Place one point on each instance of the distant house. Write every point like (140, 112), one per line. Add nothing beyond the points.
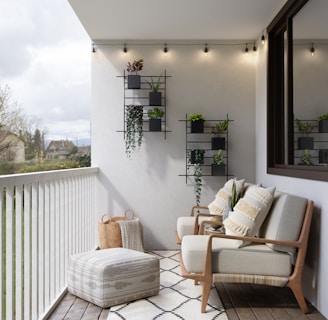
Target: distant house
(59, 149)
(12, 148)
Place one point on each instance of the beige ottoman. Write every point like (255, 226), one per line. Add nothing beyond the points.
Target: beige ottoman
(113, 276)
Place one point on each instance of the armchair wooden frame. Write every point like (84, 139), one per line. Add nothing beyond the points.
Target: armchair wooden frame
(195, 212)
(294, 281)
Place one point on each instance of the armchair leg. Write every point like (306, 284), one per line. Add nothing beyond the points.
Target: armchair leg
(206, 293)
(298, 293)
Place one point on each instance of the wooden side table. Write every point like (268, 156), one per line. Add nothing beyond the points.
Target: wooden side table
(208, 229)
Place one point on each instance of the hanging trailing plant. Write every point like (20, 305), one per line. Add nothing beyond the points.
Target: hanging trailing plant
(134, 130)
(197, 162)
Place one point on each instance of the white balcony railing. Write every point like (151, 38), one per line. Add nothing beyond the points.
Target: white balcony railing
(45, 217)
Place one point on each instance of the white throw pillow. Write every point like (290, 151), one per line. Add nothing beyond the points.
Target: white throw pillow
(249, 213)
(221, 201)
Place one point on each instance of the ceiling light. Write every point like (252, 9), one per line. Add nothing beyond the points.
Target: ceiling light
(165, 49)
(206, 49)
(93, 50)
(254, 48)
(312, 50)
(125, 50)
(262, 38)
(246, 49)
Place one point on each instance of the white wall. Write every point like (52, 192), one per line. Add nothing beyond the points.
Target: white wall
(149, 183)
(315, 277)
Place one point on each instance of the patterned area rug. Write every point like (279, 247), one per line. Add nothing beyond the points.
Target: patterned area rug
(178, 298)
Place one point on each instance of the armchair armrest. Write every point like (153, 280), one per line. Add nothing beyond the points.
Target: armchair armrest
(197, 228)
(196, 209)
(295, 244)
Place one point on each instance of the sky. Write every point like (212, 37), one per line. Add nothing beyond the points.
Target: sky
(45, 60)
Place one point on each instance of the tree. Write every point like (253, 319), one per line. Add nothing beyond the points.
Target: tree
(11, 120)
(13, 123)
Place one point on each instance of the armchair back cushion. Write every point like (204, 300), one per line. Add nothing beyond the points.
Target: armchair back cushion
(285, 220)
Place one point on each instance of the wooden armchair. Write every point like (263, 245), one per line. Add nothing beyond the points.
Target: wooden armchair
(189, 225)
(276, 257)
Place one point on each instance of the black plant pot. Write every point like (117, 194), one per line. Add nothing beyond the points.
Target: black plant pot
(155, 98)
(197, 126)
(218, 169)
(218, 143)
(193, 157)
(134, 81)
(323, 126)
(323, 156)
(155, 124)
(305, 143)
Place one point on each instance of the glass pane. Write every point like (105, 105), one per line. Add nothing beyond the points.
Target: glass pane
(310, 78)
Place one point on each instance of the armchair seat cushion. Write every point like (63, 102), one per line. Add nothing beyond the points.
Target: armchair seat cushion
(185, 225)
(227, 258)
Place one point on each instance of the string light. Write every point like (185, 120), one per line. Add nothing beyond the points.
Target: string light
(246, 49)
(254, 49)
(165, 49)
(206, 49)
(312, 50)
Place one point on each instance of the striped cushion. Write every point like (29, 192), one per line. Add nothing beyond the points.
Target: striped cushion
(249, 213)
(113, 276)
(221, 201)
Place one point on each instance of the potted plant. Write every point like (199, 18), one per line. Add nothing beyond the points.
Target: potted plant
(305, 127)
(219, 128)
(197, 158)
(197, 123)
(155, 96)
(218, 167)
(155, 119)
(323, 156)
(306, 158)
(323, 123)
(134, 130)
(134, 81)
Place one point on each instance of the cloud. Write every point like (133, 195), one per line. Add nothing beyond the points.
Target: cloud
(45, 59)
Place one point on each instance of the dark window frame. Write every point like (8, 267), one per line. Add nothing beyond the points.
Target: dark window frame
(280, 151)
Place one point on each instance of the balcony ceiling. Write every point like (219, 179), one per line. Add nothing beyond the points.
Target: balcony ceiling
(175, 19)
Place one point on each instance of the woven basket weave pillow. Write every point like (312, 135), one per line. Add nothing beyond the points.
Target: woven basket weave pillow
(221, 201)
(249, 213)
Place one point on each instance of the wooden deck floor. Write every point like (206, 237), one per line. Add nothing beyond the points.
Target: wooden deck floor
(241, 302)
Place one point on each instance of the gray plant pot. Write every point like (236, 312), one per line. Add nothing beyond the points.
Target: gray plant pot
(305, 143)
(323, 126)
(218, 143)
(197, 126)
(218, 169)
(193, 157)
(155, 98)
(134, 81)
(323, 156)
(155, 124)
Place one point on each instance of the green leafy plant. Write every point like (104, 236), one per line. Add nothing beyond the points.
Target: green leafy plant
(134, 128)
(323, 117)
(220, 127)
(155, 113)
(135, 66)
(198, 173)
(235, 196)
(195, 117)
(304, 127)
(306, 158)
(154, 86)
(218, 158)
